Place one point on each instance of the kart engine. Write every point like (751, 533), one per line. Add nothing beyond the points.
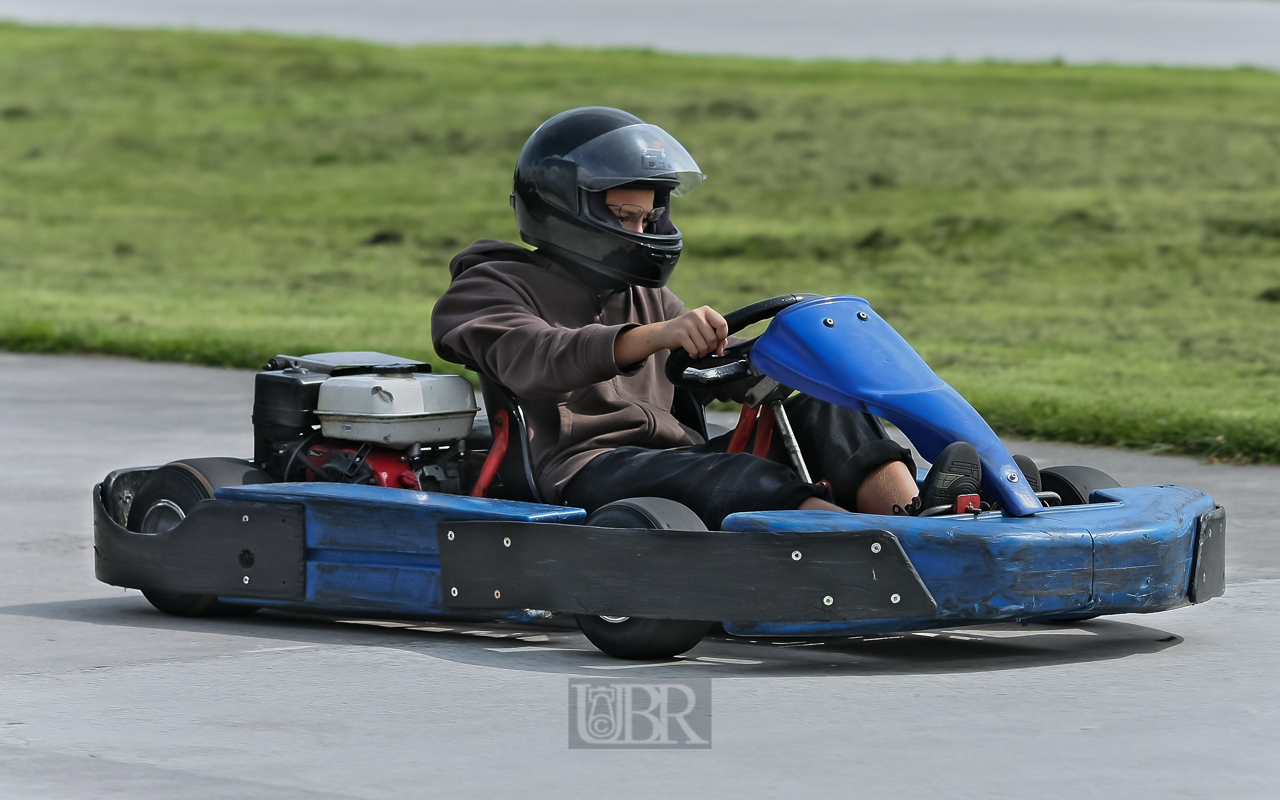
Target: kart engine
(364, 418)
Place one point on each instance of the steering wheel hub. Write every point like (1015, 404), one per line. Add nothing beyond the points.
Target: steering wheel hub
(713, 370)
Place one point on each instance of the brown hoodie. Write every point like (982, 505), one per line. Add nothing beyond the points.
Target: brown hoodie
(516, 316)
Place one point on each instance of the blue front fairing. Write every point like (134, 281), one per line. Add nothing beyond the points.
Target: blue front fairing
(1130, 553)
(822, 347)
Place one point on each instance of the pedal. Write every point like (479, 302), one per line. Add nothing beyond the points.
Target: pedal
(968, 504)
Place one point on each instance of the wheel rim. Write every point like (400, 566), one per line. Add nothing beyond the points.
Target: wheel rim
(614, 620)
(163, 516)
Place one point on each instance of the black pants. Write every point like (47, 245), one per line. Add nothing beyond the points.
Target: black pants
(838, 444)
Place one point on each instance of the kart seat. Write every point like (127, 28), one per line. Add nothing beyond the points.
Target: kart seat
(516, 469)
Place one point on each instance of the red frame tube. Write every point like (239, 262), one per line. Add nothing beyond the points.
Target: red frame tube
(742, 432)
(764, 432)
(501, 438)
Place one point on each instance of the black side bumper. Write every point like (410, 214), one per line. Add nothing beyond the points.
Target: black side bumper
(225, 548)
(715, 575)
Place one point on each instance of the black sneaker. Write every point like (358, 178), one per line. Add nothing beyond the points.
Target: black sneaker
(1029, 471)
(957, 471)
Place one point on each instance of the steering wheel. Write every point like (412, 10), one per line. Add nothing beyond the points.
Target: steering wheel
(713, 370)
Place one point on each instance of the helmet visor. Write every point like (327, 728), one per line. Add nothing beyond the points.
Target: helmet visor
(635, 153)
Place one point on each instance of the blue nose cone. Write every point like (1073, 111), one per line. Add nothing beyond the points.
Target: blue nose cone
(839, 350)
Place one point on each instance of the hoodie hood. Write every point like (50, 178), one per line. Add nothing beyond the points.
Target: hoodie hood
(484, 251)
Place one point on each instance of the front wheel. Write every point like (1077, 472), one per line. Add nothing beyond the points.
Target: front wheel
(634, 637)
(166, 499)
(1075, 484)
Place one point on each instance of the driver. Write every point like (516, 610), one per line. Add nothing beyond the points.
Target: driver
(581, 327)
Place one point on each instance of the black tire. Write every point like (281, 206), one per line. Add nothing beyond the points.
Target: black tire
(165, 500)
(633, 637)
(1075, 484)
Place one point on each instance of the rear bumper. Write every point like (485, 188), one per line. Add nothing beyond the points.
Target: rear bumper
(227, 549)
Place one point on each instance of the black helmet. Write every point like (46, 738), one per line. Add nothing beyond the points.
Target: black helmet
(564, 170)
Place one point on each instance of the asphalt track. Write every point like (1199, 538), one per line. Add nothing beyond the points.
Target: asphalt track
(1218, 33)
(102, 697)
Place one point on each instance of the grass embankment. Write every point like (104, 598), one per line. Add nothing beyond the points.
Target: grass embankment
(1080, 251)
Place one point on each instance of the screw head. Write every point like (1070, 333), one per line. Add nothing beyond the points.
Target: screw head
(506, 541)
(245, 518)
(795, 555)
(496, 594)
(875, 547)
(246, 580)
(454, 591)
(451, 536)
(829, 322)
(862, 315)
(828, 600)
(895, 599)
(1012, 477)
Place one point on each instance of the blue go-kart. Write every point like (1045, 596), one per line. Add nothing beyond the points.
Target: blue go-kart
(373, 491)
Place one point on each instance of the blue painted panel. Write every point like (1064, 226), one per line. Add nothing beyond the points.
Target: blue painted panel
(376, 558)
(365, 587)
(344, 516)
(372, 548)
(865, 364)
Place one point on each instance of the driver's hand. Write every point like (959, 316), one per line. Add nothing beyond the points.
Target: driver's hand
(699, 332)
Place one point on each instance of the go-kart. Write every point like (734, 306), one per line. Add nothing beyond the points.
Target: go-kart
(375, 490)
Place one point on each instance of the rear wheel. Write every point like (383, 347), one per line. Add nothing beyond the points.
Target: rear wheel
(165, 500)
(634, 637)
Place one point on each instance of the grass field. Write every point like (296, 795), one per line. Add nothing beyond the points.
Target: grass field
(1085, 253)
